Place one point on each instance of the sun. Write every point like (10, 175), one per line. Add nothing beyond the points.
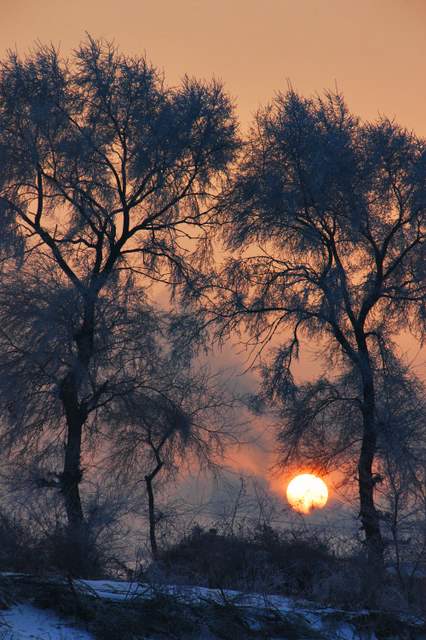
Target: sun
(306, 492)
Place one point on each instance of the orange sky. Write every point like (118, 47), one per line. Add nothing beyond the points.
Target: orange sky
(374, 51)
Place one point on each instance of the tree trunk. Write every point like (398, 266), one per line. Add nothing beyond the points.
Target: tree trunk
(149, 478)
(76, 415)
(368, 513)
(75, 543)
(152, 518)
(71, 476)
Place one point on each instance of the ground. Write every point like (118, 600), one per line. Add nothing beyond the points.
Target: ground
(115, 610)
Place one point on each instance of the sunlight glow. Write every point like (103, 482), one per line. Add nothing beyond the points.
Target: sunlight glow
(306, 492)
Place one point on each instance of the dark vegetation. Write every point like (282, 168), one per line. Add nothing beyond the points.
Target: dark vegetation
(268, 561)
(27, 549)
(263, 563)
(262, 560)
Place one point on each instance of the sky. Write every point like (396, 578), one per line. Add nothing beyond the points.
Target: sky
(373, 51)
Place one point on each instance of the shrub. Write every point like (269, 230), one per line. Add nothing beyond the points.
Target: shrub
(18, 546)
(264, 560)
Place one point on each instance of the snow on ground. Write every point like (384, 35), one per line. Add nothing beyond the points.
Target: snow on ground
(117, 590)
(120, 590)
(319, 618)
(24, 622)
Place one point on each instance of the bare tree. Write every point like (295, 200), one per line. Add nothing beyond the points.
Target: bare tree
(176, 421)
(329, 216)
(105, 171)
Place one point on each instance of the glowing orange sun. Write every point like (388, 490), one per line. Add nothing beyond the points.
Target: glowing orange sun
(306, 492)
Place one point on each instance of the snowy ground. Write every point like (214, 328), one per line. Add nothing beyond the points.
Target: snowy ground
(317, 617)
(24, 622)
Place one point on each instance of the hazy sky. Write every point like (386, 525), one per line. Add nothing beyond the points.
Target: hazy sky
(374, 51)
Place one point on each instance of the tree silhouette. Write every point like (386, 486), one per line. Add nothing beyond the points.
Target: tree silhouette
(328, 214)
(106, 171)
